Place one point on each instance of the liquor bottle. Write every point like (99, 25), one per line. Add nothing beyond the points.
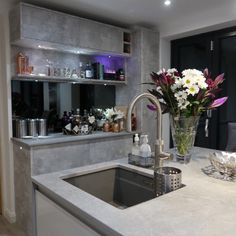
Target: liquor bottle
(65, 119)
(96, 68)
(85, 123)
(81, 71)
(20, 62)
(88, 71)
(121, 75)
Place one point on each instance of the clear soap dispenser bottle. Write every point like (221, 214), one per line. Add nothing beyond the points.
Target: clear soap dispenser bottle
(145, 149)
(136, 148)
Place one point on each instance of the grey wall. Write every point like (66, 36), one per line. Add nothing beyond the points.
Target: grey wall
(144, 60)
(29, 161)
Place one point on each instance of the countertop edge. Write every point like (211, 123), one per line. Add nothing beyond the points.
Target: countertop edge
(34, 142)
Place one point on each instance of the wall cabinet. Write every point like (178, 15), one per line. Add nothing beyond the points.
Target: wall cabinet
(53, 41)
(32, 26)
(100, 36)
(41, 24)
(51, 219)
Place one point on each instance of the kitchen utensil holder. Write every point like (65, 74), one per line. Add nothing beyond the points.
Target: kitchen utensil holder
(168, 179)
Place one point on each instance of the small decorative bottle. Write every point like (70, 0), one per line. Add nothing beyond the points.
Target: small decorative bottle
(88, 71)
(81, 71)
(135, 147)
(145, 149)
(115, 127)
(106, 126)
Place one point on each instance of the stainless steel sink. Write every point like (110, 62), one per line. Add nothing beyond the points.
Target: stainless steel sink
(119, 187)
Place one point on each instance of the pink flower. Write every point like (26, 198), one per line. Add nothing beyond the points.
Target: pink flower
(218, 102)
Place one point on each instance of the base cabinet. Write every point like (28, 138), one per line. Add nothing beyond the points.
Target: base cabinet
(51, 220)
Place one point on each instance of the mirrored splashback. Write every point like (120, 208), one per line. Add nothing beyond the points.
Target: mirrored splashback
(44, 99)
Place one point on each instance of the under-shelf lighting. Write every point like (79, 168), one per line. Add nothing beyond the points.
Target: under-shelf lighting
(167, 2)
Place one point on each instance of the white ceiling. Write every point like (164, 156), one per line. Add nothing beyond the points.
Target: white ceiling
(151, 13)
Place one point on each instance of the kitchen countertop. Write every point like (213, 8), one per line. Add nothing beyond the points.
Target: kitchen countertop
(58, 138)
(204, 207)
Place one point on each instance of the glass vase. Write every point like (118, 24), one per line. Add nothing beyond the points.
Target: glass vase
(183, 131)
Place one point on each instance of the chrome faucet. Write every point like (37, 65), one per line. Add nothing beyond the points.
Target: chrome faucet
(159, 154)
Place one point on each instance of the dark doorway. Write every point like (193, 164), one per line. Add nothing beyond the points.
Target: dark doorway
(217, 52)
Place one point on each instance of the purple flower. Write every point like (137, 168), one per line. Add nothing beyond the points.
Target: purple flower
(218, 102)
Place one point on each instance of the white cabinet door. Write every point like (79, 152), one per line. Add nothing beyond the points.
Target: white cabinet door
(52, 220)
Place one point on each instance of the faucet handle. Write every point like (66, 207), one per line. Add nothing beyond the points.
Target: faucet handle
(165, 155)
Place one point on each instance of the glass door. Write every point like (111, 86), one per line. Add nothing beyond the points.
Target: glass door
(225, 61)
(217, 51)
(196, 52)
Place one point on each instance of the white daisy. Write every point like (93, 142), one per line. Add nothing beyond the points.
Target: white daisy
(181, 95)
(193, 89)
(184, 105)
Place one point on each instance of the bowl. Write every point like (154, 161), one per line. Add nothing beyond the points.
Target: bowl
(224, 162)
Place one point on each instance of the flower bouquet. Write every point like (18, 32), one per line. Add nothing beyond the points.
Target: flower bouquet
(114, 119)
(185, 96)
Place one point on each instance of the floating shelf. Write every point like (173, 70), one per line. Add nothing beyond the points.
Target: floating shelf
(57, 79)
(127, 43)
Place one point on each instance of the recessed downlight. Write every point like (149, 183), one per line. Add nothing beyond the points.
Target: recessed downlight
(167, 2)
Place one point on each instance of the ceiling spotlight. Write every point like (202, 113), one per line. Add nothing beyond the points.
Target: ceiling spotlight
(167, 2)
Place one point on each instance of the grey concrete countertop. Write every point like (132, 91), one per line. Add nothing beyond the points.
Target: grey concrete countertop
(61, 138)
(204, 207)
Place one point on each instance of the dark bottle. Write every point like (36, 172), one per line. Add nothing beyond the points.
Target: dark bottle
(65, 119)
(121, 75)
(88, 71)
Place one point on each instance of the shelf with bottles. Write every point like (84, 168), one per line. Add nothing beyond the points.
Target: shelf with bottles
(97, 119)
(60, 79)
(32, 65)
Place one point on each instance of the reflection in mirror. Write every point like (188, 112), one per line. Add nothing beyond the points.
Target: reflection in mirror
(50, 100)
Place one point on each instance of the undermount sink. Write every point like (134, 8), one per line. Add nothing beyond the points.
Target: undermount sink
(117, 186)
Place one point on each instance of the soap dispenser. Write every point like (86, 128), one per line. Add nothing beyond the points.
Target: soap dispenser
(136, 148)
(145, 149)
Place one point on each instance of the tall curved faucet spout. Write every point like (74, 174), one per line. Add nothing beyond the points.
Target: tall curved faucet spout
(159, 154)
